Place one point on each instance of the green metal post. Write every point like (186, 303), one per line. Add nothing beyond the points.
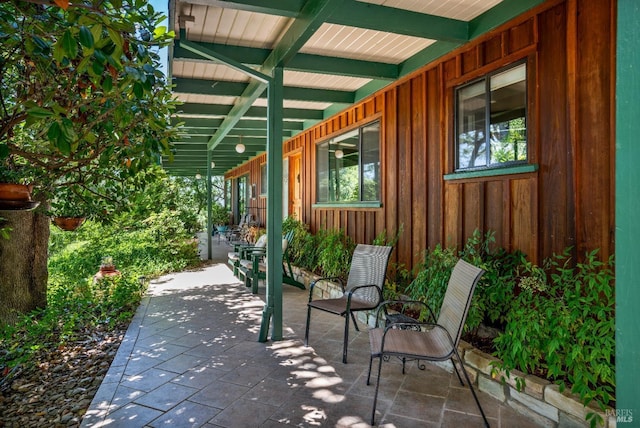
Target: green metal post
(209, 225)
(273, 308)
(627, 208)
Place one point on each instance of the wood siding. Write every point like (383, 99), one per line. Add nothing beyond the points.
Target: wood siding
(569, 47)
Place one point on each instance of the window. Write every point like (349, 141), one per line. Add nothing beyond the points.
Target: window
(263, 179)
(242, 196)
(491, 123)
(348, 166)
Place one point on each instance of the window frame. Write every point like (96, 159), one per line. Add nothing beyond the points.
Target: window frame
(354, 203)
(263, 179)
(487, 116)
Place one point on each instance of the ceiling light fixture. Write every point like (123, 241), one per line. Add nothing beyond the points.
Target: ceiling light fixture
(240, 147)
(339, 154)
(213, 164)
(198, 176)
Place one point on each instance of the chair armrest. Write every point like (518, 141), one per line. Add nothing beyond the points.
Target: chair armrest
(247, 251)
(384, 306)
(356, 288)
(326, 278)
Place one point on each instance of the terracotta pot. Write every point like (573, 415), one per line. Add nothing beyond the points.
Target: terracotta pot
(106, 270)
(15, 192)
(68, 223)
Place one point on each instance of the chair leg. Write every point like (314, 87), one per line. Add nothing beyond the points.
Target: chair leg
(369, 372)
(346, 338)
(255, 282)
(375, 394)
(475, 397)
(306, 330)
(355, 323)
(457, 372)
(247, 280)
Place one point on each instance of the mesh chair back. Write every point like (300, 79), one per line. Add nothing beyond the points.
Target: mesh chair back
(457, 299)
(262, 241)
(368, 267)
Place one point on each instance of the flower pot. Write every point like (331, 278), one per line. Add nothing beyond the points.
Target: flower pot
(15, 192)
(16, 197)
(68, 223)
(106, 270)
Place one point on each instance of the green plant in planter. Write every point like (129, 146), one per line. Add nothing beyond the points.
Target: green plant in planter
(14, 169)
(562, 321)
(220, 216)
(72, 202)
(335, 249)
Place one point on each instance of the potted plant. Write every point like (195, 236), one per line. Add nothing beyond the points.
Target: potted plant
(69, 208)
(15, 186)
(107, 268)
(220, 217)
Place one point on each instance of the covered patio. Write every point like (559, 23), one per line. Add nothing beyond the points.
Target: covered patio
(190, 358)
(253, 76)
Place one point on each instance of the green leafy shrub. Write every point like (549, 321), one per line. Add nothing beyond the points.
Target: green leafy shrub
(562, 322)
(302, 248)
(493, 297)
(430, 283)
(335, 249)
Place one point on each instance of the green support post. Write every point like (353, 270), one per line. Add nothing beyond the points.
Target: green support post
(627, 207)
(272, 313)
(209, 225)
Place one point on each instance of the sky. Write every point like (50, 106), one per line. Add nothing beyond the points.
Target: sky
(162, 6)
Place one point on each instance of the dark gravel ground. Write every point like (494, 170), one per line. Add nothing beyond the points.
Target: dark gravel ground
(58, 390)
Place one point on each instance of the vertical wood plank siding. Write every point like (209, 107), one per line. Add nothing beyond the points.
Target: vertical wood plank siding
(568, 201)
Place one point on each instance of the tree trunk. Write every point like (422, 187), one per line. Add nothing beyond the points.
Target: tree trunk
(23, 264)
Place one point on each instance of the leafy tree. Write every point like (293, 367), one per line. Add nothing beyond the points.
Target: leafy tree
(83, 104)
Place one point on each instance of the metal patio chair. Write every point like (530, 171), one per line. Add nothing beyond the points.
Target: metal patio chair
(433, 341)
(362, 292)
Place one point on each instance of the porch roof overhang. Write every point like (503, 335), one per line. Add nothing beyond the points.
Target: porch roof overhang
(333, 54)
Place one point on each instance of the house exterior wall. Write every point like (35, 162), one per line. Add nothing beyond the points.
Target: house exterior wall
(567, 201)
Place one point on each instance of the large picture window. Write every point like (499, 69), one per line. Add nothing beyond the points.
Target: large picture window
(348, 166)
(491, 122)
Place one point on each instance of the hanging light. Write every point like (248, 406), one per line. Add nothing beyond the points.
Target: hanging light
(339, 154)
(213, 164)
(240, 147)
(198, 176)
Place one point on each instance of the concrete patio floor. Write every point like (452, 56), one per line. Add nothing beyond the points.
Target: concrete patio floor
(191, 358)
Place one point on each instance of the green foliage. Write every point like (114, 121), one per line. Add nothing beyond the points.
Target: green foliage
(493, 297)
(5, 231)
(302, 249)
(562, 322)
(335, 249)
(430, 283)
(75, 302)
(220, 216)
(84, 99)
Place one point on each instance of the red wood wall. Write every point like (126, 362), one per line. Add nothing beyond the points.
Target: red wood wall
(568, 201)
